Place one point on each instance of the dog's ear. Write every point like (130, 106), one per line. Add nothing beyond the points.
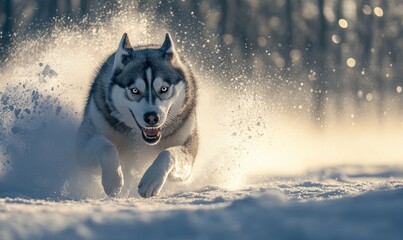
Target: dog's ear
(122, 54)
(168, 49)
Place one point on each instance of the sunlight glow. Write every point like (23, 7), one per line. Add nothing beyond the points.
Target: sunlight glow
(343, 23)
(366, 9)
(351, 62)
(239, 149)
(262, 41)
(336, 38)
(378, 11)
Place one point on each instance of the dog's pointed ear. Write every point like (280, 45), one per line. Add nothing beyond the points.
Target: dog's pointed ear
(169, 50)
(122, 53)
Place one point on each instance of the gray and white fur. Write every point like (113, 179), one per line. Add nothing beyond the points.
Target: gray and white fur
(140, 114)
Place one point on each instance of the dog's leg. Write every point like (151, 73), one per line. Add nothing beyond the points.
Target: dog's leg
(99, 149)
(175, 163)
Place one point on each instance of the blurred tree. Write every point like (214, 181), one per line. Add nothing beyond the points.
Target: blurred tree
(380, 58)
(320, 83)
(338, 39)
(288, 38)
(6, 28)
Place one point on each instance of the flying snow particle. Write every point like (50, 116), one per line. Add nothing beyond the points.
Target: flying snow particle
(378, 11)
(343, 23)
(366, 9)
(369, 97)
(295, 55)
(228, 39)
(336, 38)
(360, 93)
(351, 62)
(49, 72)
(262, 42)
(399, 89)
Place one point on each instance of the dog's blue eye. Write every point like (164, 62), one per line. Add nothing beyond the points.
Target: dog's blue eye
(164, 89)
(135, 91)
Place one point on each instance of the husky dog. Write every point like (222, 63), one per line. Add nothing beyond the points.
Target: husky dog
(140, 114)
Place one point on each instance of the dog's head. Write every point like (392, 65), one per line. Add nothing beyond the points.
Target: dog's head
(148, 87)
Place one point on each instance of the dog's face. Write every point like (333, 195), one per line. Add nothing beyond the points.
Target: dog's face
(148, 88)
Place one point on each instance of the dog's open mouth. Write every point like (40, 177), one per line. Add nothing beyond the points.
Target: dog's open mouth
(151, 135)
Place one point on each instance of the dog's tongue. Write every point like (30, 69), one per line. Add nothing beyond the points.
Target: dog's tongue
(151, 131)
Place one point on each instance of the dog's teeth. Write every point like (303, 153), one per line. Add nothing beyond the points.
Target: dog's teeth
(152, 137)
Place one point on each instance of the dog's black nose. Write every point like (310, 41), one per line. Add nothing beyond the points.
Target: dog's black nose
(151, 118)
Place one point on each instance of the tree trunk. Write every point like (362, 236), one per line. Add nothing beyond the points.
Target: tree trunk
(6, 30)
(381, 83)
(288, 41)
(320, 87)
(338, 76)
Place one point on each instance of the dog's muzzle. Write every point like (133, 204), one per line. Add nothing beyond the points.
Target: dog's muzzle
(151, 135)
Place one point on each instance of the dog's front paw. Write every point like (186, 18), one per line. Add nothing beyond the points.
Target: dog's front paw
(112, 181)
(155, 176)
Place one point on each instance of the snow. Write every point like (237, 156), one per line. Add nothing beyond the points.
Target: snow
(269, 176)
(360, 206)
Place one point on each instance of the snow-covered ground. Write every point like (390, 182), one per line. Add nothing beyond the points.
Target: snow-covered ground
(260, 174)
(333, 203)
